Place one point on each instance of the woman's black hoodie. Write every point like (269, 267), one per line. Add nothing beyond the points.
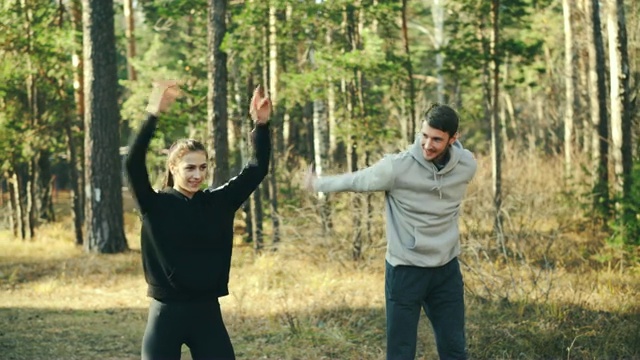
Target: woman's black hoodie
(186, 243)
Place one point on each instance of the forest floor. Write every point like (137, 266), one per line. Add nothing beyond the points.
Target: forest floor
(58, 302)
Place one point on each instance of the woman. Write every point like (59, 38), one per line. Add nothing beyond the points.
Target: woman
(187, 235)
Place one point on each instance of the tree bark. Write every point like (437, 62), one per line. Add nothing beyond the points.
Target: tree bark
(104, 220)
(598, 105)
(75, 183)
(31, 197)
(438, 14)
(569, 90)
(20, 194)
(582, 107)
(621, 128)
(45, 186)
(320, 150)
(74, 146)
(129, 18)
(256, 214)
(496, 141)
(409, 68)
(15, 217)
(353, 32)
(278, 150)
(619, 93)
(217, 93)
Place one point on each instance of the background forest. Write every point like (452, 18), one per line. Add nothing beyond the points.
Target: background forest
(547, 92)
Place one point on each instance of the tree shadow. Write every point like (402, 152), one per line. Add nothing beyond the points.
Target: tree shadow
(495, 330)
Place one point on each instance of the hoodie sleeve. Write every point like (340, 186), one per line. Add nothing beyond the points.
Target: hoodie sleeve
(378, 177)
(238, 189)
(137, 168)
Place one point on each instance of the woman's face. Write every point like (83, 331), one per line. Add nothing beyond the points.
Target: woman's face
(189, 172)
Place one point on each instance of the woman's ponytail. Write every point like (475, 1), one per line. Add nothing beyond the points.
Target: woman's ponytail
(168, 179)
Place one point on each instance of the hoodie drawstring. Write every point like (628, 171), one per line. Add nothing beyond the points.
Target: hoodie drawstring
(438, 184)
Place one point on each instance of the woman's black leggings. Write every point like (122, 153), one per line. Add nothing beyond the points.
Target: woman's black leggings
(199, 325)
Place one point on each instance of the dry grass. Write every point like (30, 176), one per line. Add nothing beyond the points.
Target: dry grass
(554, 291)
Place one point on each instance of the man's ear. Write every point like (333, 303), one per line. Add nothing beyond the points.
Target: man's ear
(454, 138)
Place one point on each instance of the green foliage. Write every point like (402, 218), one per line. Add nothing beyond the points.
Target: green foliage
(626, 225)
(36, 43)
(171, 42)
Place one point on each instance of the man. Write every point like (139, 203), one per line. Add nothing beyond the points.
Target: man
(424, 187)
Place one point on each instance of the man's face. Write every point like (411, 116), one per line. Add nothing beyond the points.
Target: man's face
(190, 172)
(434, 142)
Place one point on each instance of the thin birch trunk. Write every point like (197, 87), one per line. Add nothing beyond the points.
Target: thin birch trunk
(74, 146)
(597, 90)
(409, 69)
(496, 141)
(619, 92)
(621, 125)
(277, 151)
(129, 18)
(217, 113)
(438, 14)
(569, 90)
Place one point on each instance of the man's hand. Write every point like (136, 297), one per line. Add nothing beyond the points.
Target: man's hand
(164, 94)
(310, 179)
(260, 107)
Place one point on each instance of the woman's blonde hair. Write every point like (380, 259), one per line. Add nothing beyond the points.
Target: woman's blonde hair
(176, 152)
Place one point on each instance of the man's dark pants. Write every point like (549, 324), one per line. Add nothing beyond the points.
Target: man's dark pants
(440, 292)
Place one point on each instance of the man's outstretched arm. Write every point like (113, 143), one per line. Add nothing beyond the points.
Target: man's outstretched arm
(378, 177)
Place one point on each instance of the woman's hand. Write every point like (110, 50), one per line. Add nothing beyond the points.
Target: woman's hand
(164, 94)
(260, 107)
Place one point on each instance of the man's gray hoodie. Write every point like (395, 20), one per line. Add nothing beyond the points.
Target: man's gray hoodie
(422, 203)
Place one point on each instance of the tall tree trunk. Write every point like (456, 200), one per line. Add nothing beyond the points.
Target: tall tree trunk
(438, 14)
(582, 108)
(511, 113)
(569, 90)
(242, 129)
(31, 196)
(45, 184)
(620, 103)
(336, 148)
(598, 100)
(255, 201)
(32, 115)
(278, 150)
(496, 141)
(104, 220)
(129, 19)
(619, 91)
(353, 29)
(217, 93)
(76, 124)
(15, 217)
(257, 220)
(502, 115)
(75, 183)
(320, 150)
(19, 188)
(286, 117)
(409, 68)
